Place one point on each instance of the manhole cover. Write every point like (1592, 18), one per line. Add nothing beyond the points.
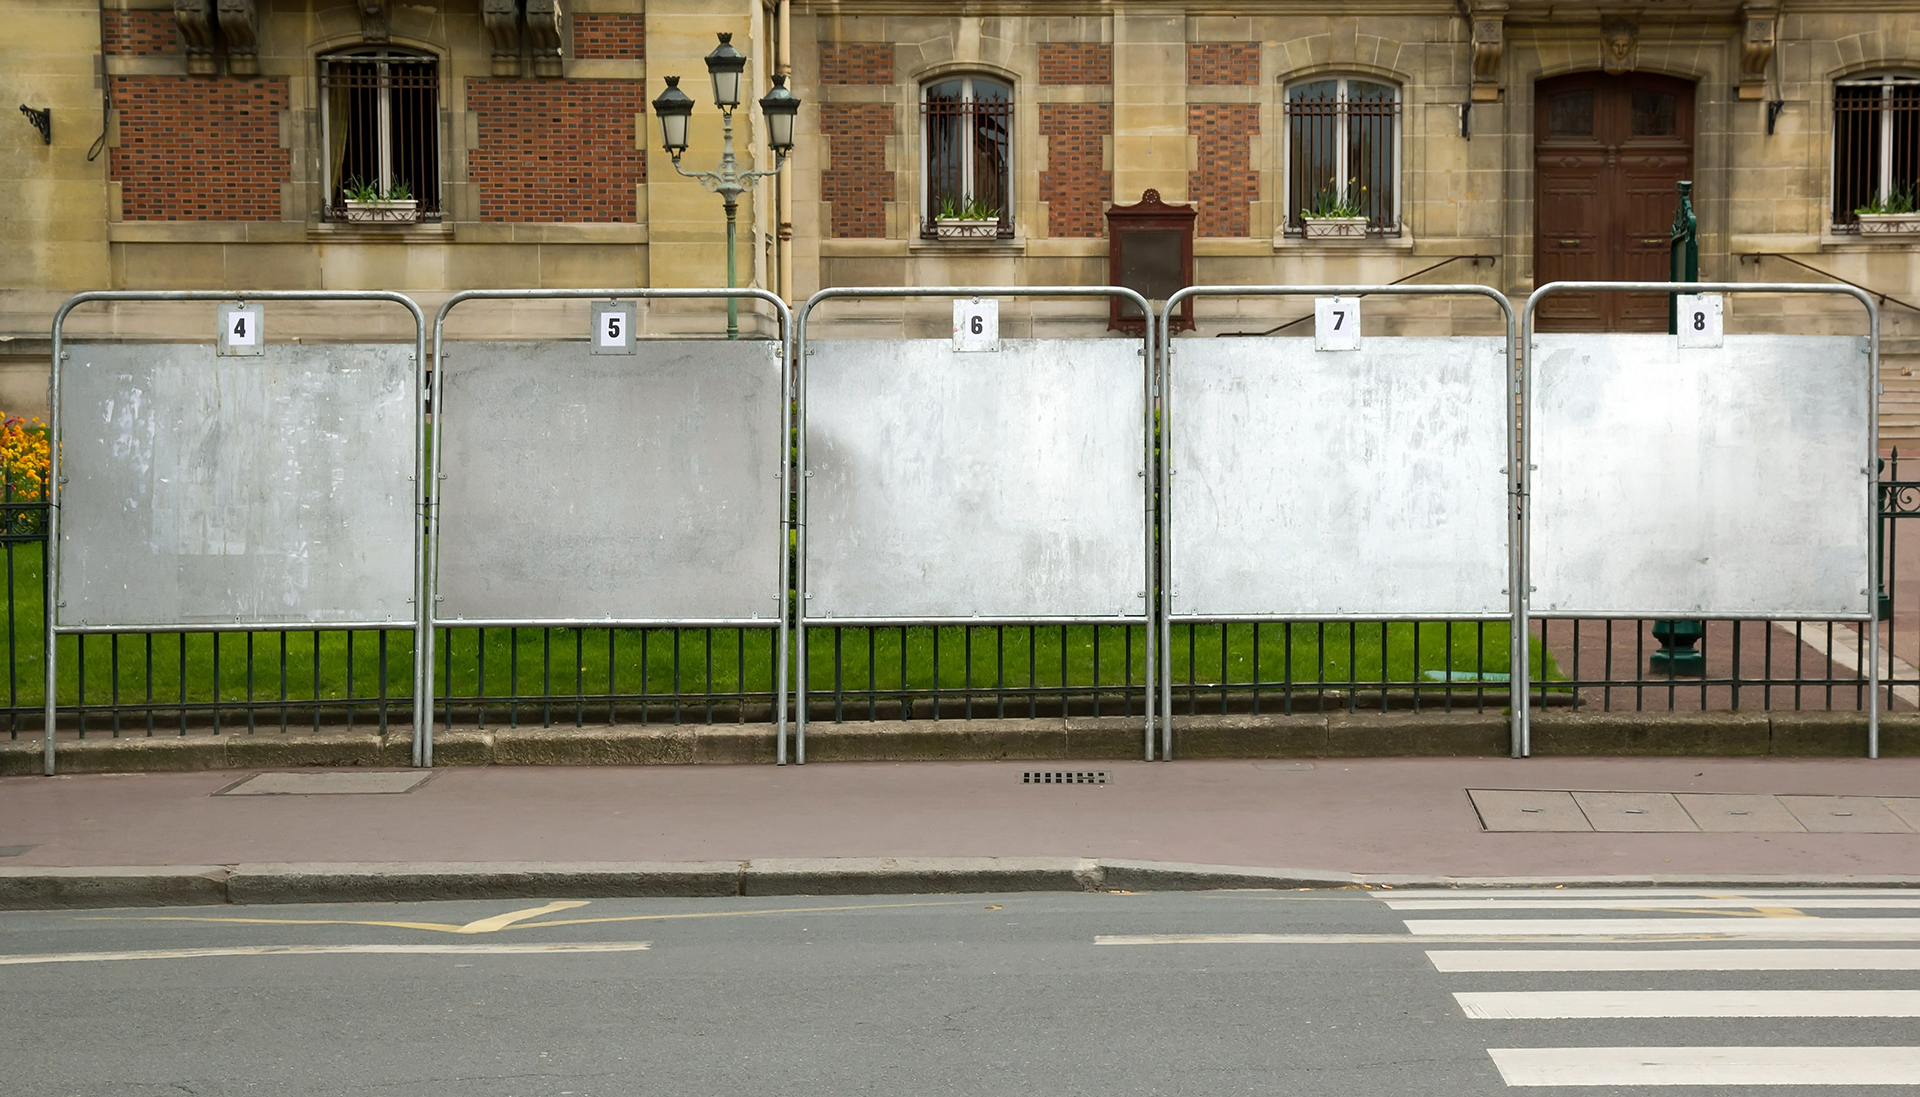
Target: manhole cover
(1064, 777)
(325, 784)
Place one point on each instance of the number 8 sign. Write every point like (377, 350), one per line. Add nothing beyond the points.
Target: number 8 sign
(1700, 321)
(612, 327)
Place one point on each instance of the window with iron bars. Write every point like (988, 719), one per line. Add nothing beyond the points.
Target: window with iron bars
(1876, 147)
(1343, 152)
(968, 127)
(380, 134)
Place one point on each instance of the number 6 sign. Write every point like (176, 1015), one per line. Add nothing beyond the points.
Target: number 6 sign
(976, 325)
(1700, 321)
(612, 327)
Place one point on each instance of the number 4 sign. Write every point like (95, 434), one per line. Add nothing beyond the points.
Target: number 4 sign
(612, 327)
(240, 332)
(1336, 323)
(976, 325)
(1701, 322)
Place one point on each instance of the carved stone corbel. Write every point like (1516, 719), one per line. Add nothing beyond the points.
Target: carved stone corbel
(195, 19)
(502, 20)
(546, 30)
(239, 25)
(1759, 27)
(1619, 46)
(373, 20)
(1489, 41)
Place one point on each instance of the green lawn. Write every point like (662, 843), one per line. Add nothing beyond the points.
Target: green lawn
(501, 662)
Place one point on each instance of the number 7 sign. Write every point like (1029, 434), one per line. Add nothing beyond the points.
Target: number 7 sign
(1336, 323)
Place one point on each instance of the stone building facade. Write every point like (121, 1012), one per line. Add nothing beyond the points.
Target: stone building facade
(209, 143)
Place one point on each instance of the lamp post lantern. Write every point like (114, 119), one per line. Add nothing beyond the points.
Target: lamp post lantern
(674, 108)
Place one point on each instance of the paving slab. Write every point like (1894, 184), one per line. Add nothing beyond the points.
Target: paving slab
(1524, 810)
(330, 783)
(1733, 812)
(1845, 815)
(1624, 812)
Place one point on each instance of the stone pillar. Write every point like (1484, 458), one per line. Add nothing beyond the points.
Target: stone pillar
(687, 230)
(1149, 105)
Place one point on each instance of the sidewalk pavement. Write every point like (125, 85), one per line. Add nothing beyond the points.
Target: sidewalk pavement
(499, 829)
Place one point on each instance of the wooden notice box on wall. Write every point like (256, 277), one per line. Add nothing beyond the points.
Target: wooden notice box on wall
(1150, 251)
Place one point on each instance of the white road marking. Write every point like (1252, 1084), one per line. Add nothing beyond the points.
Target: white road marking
(1708, 1066)
(1679, 959)
(1761, 929)
(1911, 902)
(325, 950)
(1660, 894)
(1381, 938)
(1560, 1004)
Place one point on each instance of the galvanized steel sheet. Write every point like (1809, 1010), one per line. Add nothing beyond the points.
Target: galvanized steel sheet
(204, 491)
(1733, 481)
(1000, 485)
(1325, 484)
(582, 487)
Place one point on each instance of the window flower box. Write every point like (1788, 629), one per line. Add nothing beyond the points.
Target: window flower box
(965, 228)
(1889, 224)
(1333, 228)
(386, 211)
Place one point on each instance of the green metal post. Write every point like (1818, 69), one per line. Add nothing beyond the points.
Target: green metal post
(1676, 655)
(733, 305)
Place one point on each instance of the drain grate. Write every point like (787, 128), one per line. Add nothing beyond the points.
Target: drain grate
(1064, 777)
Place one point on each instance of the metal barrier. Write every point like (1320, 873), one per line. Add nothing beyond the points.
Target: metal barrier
(671, 505)
(1372, 483)
(282, 494)
(1019, 466)
(1702, 474)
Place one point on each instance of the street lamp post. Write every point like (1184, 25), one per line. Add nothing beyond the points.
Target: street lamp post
(674, 108)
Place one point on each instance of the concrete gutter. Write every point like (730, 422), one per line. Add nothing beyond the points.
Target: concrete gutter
(1303, 735)
(247, 884)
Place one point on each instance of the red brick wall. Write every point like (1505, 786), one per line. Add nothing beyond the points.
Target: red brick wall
(857, 63)
(557, 150)
(1223, 63)
(857, 182)
(610, 35)
(1074, 186)
(1226, 184)
(199, 149)
(1076, 63)
(141, 33)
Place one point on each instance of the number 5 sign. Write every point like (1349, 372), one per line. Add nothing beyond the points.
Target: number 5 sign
(240, 332)
(612, 327)
(1701, 323)
(1336, 323)
(976, 325)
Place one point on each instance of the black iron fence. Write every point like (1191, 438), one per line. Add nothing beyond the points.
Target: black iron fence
(152, 683)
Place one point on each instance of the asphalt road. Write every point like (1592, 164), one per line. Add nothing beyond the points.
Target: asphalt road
(1010, 994)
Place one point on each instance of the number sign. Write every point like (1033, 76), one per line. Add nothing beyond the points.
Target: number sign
(1336, 323)
(976, 325)
(1701, 323)
(612, 327)
(240, 332)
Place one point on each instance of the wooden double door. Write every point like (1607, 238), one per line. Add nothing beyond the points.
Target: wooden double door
(1608, 151)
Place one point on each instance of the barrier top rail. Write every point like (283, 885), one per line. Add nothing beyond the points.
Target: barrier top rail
(969, 292)
(779, 622)
(53, 467)
(1866, 301)
(1517, 654)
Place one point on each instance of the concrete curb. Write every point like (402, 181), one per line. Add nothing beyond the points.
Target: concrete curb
(350, 882)
(1079, 738)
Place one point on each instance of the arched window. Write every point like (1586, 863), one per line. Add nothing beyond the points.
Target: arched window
(1876, 146)
(967, 122)
(1343, 151)
(380, 134)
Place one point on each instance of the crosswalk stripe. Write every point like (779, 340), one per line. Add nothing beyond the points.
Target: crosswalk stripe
(1773, 929)
(1558, 1004)
(1708, 1066)
(1665, 901)
(1678, 959)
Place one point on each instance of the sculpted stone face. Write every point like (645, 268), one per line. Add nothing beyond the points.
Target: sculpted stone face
(1619, 38)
